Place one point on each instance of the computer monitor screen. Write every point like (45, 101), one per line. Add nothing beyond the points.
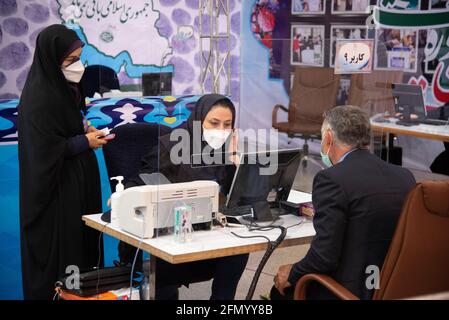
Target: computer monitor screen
(408, 99)
(156, 84)
(252, 186)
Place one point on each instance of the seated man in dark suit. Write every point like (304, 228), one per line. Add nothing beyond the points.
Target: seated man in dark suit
(357, 203)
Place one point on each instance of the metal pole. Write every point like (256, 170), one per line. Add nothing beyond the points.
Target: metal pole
(216, 70)
(200, 32)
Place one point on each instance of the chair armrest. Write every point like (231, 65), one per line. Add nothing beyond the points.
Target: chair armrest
(274, 114)
(333, 286)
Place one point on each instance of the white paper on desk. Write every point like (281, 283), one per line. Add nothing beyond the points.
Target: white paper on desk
(299, 197)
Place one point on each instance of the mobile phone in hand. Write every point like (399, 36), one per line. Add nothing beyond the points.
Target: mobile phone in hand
(108, 137)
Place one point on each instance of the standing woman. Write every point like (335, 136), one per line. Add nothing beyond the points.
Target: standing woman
(59, 177)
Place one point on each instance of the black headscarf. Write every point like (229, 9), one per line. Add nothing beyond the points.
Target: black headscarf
(55, 188)
(202, 107)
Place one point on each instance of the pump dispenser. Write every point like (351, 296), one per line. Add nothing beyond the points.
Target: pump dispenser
(114, 198)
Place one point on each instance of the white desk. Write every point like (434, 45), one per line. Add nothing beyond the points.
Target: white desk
(426, 131)
(218, 242)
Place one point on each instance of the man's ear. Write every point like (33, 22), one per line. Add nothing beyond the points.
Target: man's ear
(326, 136)
(330, 137)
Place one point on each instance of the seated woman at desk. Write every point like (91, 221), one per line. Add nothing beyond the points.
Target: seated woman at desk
(213, 119)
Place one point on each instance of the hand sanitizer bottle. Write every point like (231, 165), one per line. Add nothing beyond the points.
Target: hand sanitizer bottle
(114, 199)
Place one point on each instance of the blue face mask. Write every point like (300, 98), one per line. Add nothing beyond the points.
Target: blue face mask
(326, 160)
(325, 157)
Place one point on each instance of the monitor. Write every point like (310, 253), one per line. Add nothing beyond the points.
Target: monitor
(157, 84)
(408, 99)
(251, 188)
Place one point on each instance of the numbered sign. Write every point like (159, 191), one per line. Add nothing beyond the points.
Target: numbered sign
(353, 56)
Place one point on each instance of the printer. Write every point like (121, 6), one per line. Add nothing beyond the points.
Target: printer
(144, 210)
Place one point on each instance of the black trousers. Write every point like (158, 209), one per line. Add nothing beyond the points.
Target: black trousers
(276, 295)
(225, 272)
(441, 163)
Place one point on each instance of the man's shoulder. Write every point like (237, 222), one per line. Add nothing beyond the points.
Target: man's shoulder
(362, 163)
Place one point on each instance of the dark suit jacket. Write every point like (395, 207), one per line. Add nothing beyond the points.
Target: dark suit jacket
(357, 204)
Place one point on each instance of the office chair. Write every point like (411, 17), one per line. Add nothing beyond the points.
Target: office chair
(314, 91)
(98, 78)
(417, 261)
(373, 92)
(123, 155)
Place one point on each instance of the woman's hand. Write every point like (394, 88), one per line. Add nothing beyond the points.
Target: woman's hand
(91, 129)
(234, 158)
(94, 141)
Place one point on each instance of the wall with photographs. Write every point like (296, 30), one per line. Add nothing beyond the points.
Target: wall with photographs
(304, 32)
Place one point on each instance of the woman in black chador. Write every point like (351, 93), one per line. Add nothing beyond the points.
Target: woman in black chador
(59, 178)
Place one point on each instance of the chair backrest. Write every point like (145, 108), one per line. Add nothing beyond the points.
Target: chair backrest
(372, 91)
(314, 91)
(417, 262)
(123, 155)
(98, 78)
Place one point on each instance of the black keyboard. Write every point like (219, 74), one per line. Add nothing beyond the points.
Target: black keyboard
(434, 122)
(407, 123)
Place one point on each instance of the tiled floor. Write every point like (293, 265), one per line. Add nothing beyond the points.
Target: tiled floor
(201, 291)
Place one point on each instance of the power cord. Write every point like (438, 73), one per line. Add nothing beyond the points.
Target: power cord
(132, 270)
(134, 261)
(99, 257)
(59, 285)
(272, 245)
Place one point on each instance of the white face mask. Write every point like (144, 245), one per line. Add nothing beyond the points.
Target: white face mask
(74, 72)
(215, 137)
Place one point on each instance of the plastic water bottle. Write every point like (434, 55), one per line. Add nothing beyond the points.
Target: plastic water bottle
(183, 224)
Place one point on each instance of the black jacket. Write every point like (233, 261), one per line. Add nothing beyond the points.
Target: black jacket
(357, 204)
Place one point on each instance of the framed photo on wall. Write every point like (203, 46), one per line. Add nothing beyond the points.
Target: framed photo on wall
(350, 6)
(307, 7)
(307, 45)
(345, 32)
(396, 49)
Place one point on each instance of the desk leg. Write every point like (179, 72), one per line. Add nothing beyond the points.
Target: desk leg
(387, 147)
(152, 274)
